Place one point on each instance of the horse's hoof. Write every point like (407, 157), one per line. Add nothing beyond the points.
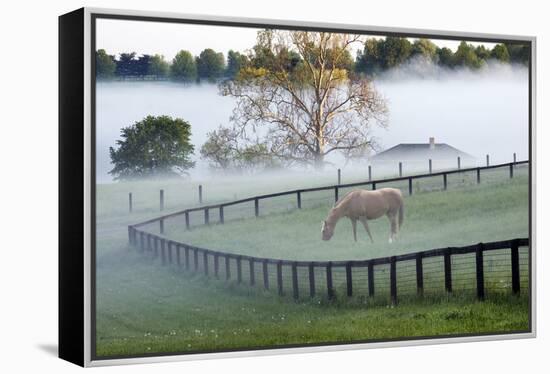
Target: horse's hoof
(390, 241)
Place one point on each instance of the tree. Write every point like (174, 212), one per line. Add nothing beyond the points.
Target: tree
(235, 61)
(183, 67)
(158, 66)
(394, 51)
(225, 150)
(445, 57)
(369, 61)
(425, 48)
(142, 64)
(154, 146)
(519, 53)
(500, 53)
(310, 111)
(465, 55)
(210, 65)
(482, 53)
(105, 65)
(125, 64)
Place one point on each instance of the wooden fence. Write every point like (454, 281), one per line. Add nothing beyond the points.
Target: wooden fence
(374, 184)
(495, 266)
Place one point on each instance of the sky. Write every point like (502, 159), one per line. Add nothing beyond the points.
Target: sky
(167, 39)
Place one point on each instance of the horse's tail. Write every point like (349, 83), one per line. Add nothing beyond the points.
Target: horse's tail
(401, 213)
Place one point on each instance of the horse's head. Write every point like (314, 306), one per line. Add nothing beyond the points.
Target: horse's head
(326, 230)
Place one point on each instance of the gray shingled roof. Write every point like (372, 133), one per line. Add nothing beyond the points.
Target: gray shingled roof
(420, 151)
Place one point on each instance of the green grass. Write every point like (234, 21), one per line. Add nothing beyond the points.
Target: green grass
(144, 308)
(484, 213)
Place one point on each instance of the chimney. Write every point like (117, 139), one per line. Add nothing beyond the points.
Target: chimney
(432, 142)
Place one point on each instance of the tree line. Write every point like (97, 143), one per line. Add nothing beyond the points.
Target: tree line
(377, 55)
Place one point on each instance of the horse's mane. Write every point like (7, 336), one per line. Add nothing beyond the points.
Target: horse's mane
(342, 199)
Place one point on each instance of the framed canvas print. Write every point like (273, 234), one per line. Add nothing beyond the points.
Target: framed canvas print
(232, 185)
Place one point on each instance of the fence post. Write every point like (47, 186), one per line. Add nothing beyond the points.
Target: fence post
(299, 199)
(430, 165)
(336, 194)
(239, 270)
(410, 186)
(280, 278)
(216, 266)
(266, 274)
(227, 267)
(156, 245)
(339, 177)
(162, 254)
(196, 258)
(393, 280)
(130, 206)
(169, 244)
(458, 162)
(256, 207)
(515, 157)
(478, 172)
(149, 245)
(444, 181)
(200, 193)
(370, 173)
(511, 170)
(186, 248)
(206, 216)
(370, 278)
(142, 240)
(251, 271)
(487, 158)
(178, 255)
(222, 219)
(330, 291)
(295, 281)
(161, 224)
(419, 275)
(400, 169)
(187, 225)
(349, 280)
(161, 200)
(448, 274)
(205, 262)
(480, 281)
(373, 186)
(311, 271)
(515, 267)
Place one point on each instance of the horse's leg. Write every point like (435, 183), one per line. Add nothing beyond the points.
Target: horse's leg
(393, 226)
(364, 222)
(354, 227)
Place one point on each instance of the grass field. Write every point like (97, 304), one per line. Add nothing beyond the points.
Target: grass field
(484, 213)
(144, 308)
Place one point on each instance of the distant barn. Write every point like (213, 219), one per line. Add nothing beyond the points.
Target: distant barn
(416, 156)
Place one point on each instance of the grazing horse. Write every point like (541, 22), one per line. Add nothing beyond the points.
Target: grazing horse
(364, 205)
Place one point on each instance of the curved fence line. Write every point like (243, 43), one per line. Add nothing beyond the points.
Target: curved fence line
(336, 188)
(496, 266)
(207, 262)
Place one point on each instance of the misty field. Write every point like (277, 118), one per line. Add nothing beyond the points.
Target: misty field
(145, 308)
(490, 212)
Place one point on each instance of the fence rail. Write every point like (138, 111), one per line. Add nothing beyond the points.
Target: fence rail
(477, 268)
(304, 274)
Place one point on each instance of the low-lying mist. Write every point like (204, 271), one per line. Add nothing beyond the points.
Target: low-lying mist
(480, 112)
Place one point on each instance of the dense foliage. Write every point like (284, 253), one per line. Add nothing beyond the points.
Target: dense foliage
(154, 146)
(376, 56)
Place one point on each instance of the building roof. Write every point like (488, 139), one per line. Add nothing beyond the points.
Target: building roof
(421, 151)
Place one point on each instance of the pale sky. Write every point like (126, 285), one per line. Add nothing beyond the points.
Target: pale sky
(167, 39)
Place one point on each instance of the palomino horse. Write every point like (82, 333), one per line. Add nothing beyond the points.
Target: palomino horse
(363, 205)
